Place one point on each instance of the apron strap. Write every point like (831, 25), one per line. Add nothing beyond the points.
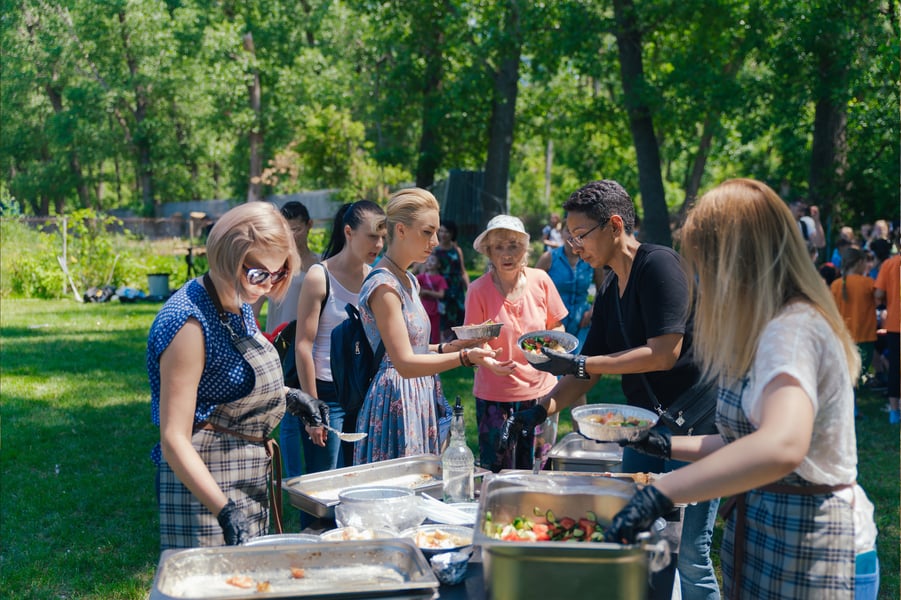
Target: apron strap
(738, 503)
(275, 481)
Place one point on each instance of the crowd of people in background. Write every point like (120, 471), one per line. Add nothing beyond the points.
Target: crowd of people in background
(865, 289)
(655, 321)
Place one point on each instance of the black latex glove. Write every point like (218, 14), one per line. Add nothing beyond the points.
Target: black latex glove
(520, 424)
(234, 524)
(312, 411)
(637, 516)
(656, 442)
(561, 363)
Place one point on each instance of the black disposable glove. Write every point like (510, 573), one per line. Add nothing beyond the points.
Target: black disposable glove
(637, 516)
(312, 411)
(561, 363)
(234, 524)
(656, 442)
(520, 424)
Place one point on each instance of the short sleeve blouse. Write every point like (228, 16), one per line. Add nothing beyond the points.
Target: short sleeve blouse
(800, 343)
(226, 375)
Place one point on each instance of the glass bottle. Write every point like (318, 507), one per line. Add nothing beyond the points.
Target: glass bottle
(458, 462)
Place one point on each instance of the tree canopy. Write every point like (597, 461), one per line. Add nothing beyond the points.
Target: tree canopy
(135, 103)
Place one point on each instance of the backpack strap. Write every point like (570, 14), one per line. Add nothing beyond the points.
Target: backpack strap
(328, 289)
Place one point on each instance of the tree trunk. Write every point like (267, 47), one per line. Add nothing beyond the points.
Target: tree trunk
(828, 158)
(548, 164)
(655, 225)
(141, 137)
(255, 137)
(430, 141)
(693, 182)
(503, 119)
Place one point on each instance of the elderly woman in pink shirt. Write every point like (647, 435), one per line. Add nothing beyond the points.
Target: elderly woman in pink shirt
(523, 299)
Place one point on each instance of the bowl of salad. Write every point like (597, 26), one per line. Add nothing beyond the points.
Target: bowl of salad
(559, 341)
(613, 422)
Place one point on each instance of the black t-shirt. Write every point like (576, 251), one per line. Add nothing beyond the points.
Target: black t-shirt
(654, 304)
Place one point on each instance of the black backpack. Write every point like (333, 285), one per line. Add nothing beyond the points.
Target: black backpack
(353, 362)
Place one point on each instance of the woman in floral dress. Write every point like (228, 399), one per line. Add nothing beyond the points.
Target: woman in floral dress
(400, 412)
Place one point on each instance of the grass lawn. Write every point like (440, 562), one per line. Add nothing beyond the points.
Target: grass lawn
(79, 517)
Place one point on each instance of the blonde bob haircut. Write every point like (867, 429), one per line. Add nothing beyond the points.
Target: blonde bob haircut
(746, 258)
(245, 229)
(406, 205)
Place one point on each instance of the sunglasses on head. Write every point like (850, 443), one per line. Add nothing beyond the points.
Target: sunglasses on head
(257, 276)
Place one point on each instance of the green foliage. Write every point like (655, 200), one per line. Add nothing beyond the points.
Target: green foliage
(28, 267)
(95, 95)
(99, 253)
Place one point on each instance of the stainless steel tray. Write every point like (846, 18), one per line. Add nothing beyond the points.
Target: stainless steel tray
(363, 569)
(537, 570)
(317, 493)
(577, 453)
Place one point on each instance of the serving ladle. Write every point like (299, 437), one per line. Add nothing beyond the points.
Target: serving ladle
(346, 437)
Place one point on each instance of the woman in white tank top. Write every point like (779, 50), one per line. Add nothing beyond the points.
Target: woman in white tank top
(358, 234)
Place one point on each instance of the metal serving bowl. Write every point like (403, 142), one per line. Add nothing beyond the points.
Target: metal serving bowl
(611, 433)
(476, 332)
(568, 341)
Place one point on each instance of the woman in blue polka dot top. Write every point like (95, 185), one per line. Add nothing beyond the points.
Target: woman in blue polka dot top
(217, 389)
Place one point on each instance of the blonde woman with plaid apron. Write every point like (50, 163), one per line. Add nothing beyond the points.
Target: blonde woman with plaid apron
(767, 330)
(217, 386)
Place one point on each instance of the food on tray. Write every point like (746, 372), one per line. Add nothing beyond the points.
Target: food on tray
(240, 581)
(642, 478)
(438, 539)
(535, 344)
(347, 534)
(297, 573)
(546, 527)
(616, 419)
(264, 586)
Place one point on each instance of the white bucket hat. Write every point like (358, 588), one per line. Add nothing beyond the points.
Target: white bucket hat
(508, 222)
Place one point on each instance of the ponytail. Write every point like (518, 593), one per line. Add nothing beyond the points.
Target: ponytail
(352, 215)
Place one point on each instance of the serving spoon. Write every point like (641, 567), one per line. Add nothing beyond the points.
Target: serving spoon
(346, 437)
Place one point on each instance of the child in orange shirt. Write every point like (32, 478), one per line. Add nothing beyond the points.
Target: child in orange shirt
(853, 294)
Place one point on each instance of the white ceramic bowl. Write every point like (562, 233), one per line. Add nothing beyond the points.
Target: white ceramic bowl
(475, 332)
(586, 416)
(566, 340)
(437, 539)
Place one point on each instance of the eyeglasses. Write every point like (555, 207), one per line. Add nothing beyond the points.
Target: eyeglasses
(256, 276)
(575, 242)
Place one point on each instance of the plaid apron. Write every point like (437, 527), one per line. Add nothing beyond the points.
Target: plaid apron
(798, 537)
(239, 466)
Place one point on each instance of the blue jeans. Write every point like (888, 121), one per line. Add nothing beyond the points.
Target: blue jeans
(695, 567)
(328, 457)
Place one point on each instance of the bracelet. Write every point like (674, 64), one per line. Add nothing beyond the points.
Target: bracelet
(464, 358)
(462, 364)
(581, 373)
(440, 348)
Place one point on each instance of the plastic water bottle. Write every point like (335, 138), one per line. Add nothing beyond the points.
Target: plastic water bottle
(458, 462)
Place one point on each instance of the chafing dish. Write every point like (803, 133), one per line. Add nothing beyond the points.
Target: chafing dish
(525, 570)
(317, 493)
(576, 453)
(370, 569)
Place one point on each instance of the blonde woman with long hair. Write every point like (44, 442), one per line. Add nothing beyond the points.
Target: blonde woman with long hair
(768, 331)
